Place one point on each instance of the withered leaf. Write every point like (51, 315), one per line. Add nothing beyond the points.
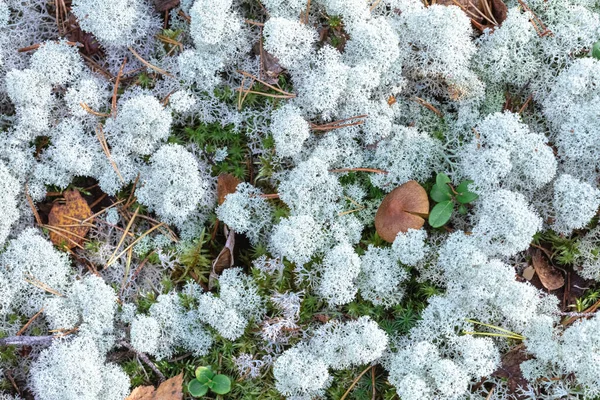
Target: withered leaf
(550, 277)
(66, 219)
(224, 259)
(528, 273)
(226, 184)
(402, 209)
(510, 368)
(171, 389)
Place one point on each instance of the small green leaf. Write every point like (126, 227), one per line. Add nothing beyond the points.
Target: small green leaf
(222, 384)
(463, 186)
(441, 213)
(596, 50)
(467, 197)
(441, 179)
(439, 194)
(462, 209)
(204, 374)
(196, 388)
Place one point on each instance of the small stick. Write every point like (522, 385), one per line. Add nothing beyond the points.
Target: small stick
(249, 21)
(375, 4)
(428, 106)
(113, 107)
(104, 144)
(130, 199)
(98, 200)
(147, 64)
(184, 16)
(478, 137)
(43, 286)
(145, 359)
(524, 106)
(482, 14)
(89, 110)
(375, 170)
(332, 127)
(373, 382)
(24, 328)
(355, 382)
(277, 96)
(307, 12)
(102, 211)
(97, 66)
(270, 196)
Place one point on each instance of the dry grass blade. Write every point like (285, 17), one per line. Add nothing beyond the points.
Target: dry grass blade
(63, 235)
(37, 46)
(339, 123)
(135, 242)
(127, 228)
(249, 21)
(147, 64)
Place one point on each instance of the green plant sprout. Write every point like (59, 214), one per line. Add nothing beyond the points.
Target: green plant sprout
(503, 332)
(206, 379)
(447, 197)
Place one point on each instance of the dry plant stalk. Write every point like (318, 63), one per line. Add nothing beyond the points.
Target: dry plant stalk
(427, 105)
(113, 107)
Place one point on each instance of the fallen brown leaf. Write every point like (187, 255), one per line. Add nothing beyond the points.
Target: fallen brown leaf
(226, 184)
(65, 219)
(402, 209)
(510, 368)
(224, 259)
(171, 389)
(550, 277)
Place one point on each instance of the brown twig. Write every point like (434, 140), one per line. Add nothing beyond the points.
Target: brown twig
(147, 64)
(37, 46)
(41, 285)
(538, 25)
(276, 96)
(184, 16)
(373, 383)
(97, 66)
(338, 124)
(24, 328)
(127, 228)
(113, 107)
(249, 21)
(270, 196)
(145, 359)
(375, 170)
(588, 312)
(307, 12)
(427, 105)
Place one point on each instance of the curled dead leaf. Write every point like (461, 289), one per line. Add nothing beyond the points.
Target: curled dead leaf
(510, 369)
(226, 184)
(550, 277)
(403, 208)
(224, 259)
(171, 389)
(65, 221)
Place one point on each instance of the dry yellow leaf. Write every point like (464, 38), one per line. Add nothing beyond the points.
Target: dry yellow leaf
(66, 228)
